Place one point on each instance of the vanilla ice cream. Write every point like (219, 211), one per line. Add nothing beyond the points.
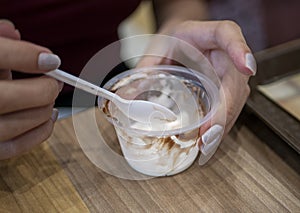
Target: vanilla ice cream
(160, 148)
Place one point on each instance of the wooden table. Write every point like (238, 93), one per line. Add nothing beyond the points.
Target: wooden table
(254, 170)
(245, 175)
(273, 64)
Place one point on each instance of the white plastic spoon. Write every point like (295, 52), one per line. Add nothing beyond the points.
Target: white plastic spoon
(138, 110)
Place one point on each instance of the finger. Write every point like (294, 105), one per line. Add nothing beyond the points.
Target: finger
(212, 133)
(7, 29)
(235, 97)
(220, 34)
(229, 36)
(232, 102)
(147, 61)
(28, 93)
(159, 51)
(26, 57)
(17, 123)
(232, 99)
(27, 141)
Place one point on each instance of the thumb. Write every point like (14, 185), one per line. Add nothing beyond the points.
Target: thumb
(212, 132)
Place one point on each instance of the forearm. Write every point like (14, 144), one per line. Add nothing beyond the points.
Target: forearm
(169, 13)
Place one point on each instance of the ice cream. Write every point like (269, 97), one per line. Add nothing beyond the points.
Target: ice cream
(160, 148)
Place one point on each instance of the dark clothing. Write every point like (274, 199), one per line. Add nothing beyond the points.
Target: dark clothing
(73, 29)
(77, 29)
(265, 23)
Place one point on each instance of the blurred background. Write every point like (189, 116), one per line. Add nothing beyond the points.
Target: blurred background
(265, 23)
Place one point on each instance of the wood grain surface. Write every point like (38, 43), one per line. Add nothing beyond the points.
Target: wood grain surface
(35, 182)
(275, 63)
(245, 175)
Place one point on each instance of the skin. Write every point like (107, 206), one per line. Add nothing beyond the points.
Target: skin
(26, 105)
(222, 42)
(224, 46)
(26, 109)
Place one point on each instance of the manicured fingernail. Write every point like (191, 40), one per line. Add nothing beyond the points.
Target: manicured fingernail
(48, 61)
(251, 63)
(211, 134)
(211, 140)
(54, 114)
(206, 149)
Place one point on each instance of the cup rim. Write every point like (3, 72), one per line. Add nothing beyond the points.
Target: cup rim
(210, 87)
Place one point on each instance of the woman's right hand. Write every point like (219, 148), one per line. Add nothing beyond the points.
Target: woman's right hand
(223, 44)
(26, 106)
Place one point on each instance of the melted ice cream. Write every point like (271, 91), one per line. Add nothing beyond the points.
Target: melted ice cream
(159, 154)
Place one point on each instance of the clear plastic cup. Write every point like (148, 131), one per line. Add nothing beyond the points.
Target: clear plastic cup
(162, 148)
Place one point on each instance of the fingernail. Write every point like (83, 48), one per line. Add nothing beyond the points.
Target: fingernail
(206, 149)
(211, 134)
(211, 140)
(48, 61)
(203, 159)
(251, 63)
(54, 114)
(18, 33)
(60, 85)
(208, 152)
(6, 21)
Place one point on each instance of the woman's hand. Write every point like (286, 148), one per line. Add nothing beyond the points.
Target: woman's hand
(26, 107)
(224, 46)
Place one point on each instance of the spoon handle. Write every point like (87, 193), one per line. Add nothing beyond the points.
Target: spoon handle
(81, 84)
